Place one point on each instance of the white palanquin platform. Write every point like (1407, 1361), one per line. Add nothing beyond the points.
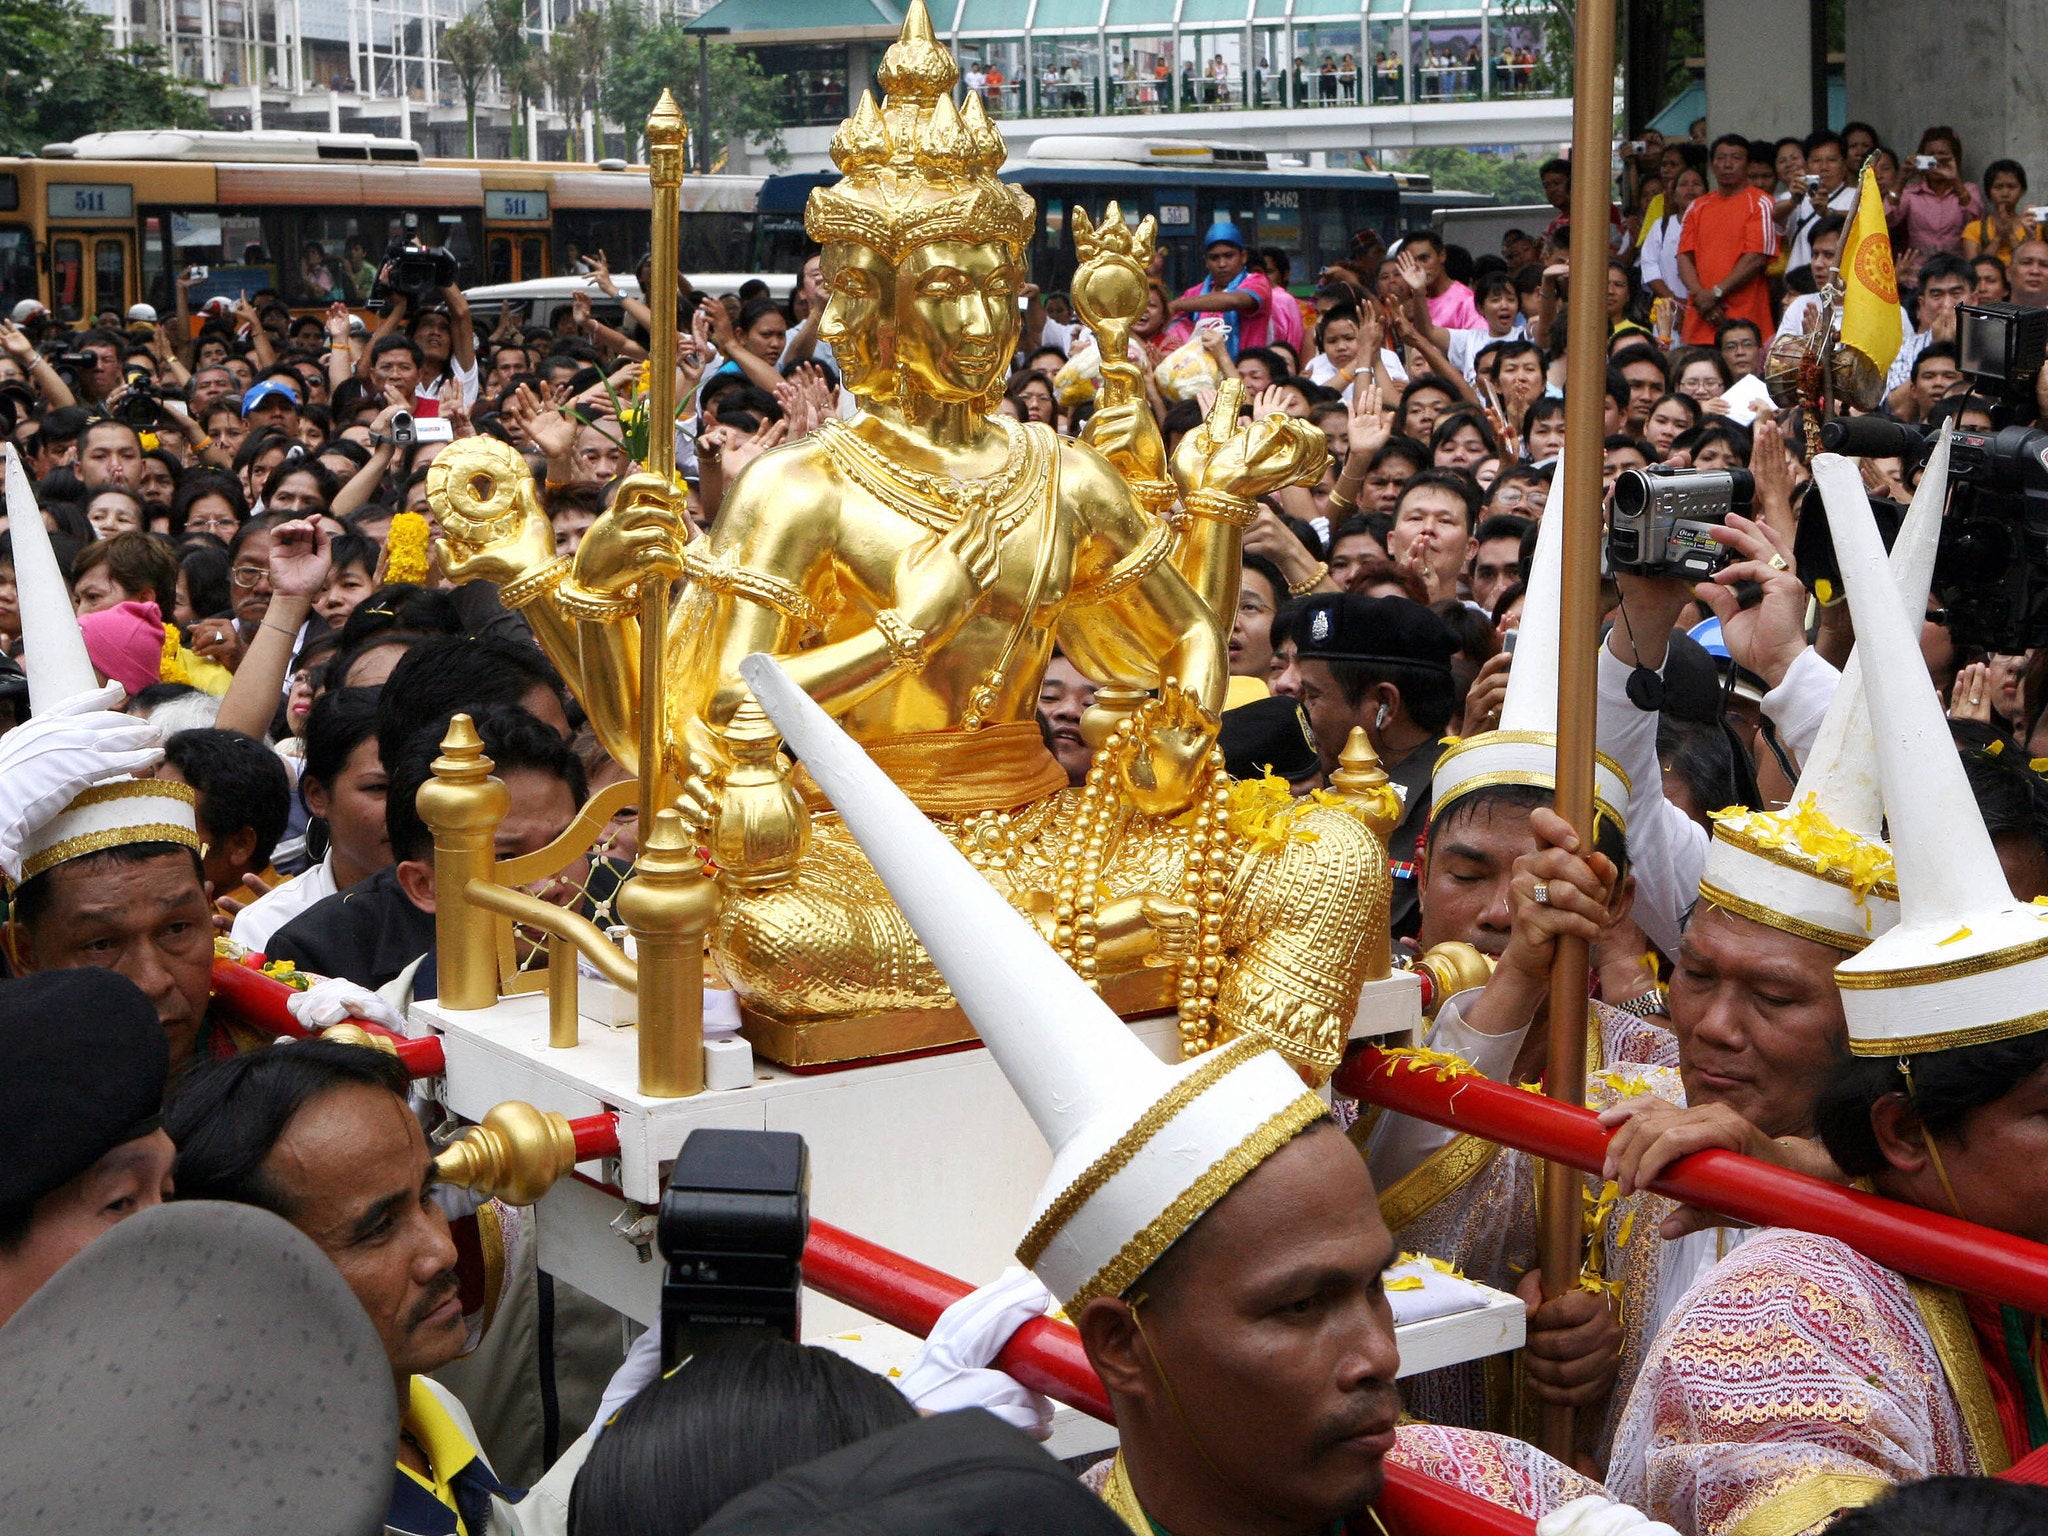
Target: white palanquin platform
(933, 1157)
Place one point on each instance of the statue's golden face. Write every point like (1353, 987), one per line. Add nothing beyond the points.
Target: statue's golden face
(956, 318)
(860, 288)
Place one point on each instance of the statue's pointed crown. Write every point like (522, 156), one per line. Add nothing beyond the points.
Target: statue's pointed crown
(918, 168)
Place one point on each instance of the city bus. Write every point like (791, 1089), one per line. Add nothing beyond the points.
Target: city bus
(1310, 214)
(108, 220)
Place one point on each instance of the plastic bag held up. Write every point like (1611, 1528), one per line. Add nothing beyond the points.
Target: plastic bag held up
(1187, 370)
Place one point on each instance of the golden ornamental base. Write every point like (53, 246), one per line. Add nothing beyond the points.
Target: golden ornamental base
(814, 1044)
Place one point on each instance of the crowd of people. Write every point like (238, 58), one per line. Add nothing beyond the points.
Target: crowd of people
(238, 502)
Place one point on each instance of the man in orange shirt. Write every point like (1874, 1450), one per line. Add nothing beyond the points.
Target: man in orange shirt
(1728, 238)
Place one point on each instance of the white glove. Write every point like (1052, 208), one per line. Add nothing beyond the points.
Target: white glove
(1595, 1516)
(641, 1366)
(45, 762)
(334, 998)
(951, 1371)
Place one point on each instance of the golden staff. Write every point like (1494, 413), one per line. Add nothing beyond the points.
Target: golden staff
(666, 136)
(1562, 1222)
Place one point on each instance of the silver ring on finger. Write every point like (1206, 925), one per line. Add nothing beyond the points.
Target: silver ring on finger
(1540, 893)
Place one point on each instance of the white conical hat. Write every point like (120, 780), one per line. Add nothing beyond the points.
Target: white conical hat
(1967, 963)
(1140, 1149)
(116, 810)
(52, 645)
(1522, 749)
(1820, 868)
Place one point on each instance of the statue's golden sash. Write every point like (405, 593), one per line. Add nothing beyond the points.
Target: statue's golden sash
(960, 773)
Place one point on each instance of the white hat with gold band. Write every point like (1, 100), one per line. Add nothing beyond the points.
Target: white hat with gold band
(1967, 963)
(70, 789)
(1522, 749)
(1820, 868)
(1140, 1148)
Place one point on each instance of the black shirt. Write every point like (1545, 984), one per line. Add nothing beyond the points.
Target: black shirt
(1404, 847)
(368, 933)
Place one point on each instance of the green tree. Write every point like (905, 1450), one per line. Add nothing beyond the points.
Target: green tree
(575, 55)
(466, 50)
(645, 59)
(61, 75)
(504, 24)
(1510, 179)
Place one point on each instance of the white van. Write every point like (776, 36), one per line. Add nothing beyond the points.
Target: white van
(546, 297)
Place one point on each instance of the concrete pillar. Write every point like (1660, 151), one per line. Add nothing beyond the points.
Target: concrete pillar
(334, 111)
(1760, 67)
(1973, 65)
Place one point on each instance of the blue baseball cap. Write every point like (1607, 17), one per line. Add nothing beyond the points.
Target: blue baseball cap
(1223, 232)
(263, 389)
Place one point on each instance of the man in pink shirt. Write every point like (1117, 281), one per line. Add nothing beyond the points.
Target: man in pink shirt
(1450, 302)
(1243, 297)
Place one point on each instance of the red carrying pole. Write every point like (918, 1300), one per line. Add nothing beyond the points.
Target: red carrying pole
(1916, 1242)
(1047, 1357)
(262, 1002)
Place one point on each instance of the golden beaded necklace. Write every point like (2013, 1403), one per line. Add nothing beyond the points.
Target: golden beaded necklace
(936, 501)
(1099, 820)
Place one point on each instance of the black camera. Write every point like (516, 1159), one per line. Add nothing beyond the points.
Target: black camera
(142, 405)
(17, 404)
(1660, 520)
(418, 271)
(75, 369)
(1991, 564)
(2001, 347)
(734, 1219)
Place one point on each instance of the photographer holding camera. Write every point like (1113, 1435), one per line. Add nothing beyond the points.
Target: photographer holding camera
(421, 290)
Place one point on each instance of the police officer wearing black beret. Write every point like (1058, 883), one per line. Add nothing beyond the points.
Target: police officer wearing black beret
(83, 1062)
(1383, 663)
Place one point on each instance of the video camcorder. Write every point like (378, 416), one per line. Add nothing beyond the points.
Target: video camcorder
(1659, 521)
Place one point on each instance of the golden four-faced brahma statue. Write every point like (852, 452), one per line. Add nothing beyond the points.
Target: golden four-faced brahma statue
(913, 567)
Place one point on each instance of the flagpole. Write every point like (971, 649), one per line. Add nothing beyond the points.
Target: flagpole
(1562, 1223)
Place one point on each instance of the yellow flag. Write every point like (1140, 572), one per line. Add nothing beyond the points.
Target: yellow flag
(1870, 285)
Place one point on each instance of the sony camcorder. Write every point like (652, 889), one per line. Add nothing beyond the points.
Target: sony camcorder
(734, 1219)
(1659, 522)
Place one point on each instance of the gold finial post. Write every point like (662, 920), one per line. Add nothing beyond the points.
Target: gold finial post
(666, 138)
(517, 1154)
(462, 806)
(1361, 780)
(667, 906)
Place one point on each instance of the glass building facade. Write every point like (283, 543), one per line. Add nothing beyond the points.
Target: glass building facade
(1088, 58)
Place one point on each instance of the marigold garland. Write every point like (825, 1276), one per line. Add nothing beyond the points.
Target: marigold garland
(407, 546)
(171, 667)
(1812, 833)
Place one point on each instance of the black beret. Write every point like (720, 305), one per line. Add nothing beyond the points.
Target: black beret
(1349, 626)
(83, 1062)
(1268, 734)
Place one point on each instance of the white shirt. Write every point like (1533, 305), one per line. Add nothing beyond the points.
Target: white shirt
(1659, 261)
(1667, 849)
(426, 394)
(1901, 370)
(1800, 253)
(257, 922)
(1802, 305)
(1463, 347)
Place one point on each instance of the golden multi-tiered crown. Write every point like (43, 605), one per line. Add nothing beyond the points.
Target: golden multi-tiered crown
(918, 169)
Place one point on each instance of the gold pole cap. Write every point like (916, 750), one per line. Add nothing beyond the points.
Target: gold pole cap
(665, 126)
